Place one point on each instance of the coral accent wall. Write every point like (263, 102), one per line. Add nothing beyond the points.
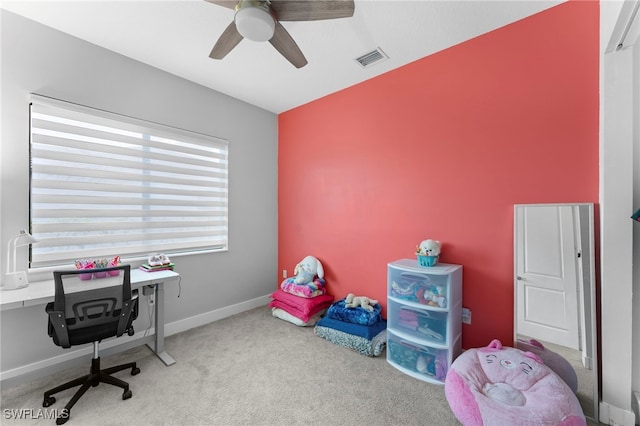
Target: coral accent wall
(443, 148)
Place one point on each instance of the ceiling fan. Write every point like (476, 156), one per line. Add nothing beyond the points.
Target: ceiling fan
(259, 20)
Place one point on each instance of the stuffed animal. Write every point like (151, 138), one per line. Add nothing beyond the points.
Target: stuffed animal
(554, 361)
(429, 248)
(498, 385)
(306, 271)
(353, 301)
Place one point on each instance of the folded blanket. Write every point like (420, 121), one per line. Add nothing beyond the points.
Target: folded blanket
(359, 315)
(366, 331)
(305, 315)
(373, 347)
(303, 304)
(286, 316)
(316, 288)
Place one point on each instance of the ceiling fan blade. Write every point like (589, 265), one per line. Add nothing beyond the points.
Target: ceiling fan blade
(284, 43)
(305, 10)
(231, 4)
(227, 41)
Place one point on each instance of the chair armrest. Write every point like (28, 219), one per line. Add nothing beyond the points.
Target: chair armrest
(58, 325)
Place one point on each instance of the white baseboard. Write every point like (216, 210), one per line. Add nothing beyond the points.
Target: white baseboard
(211, 316)
(74, 357)
(615, 416)
(68, 359)
(587, 362)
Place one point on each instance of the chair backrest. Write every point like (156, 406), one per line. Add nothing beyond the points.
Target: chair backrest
(91, 305)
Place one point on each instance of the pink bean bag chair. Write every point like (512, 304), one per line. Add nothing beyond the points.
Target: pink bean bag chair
(500, 386)
(554, 361)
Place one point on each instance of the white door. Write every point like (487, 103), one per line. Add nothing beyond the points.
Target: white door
(546, 274)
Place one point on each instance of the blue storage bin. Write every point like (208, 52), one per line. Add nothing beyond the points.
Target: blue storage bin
(427, 260)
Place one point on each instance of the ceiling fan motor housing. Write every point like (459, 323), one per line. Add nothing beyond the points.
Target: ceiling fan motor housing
(255, 20)
(259, 20)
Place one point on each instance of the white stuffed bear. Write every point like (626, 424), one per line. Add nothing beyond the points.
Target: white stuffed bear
(307, 269)
(429, 248)
(353, 301)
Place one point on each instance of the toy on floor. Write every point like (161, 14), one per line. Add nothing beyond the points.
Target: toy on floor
(500, 385)
(307, 270)
(353, 301)
(554, 361)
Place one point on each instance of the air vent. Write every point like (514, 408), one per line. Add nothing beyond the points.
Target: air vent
(373, 57)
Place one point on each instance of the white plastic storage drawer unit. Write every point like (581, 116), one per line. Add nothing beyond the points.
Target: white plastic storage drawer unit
(424, 318)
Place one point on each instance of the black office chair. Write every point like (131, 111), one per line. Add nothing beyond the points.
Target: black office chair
(87, 310)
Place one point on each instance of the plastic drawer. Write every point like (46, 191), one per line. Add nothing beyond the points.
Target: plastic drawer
(427, 289)
(418, 360)
(422, 324)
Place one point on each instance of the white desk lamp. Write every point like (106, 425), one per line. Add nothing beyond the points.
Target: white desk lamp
(16, 279)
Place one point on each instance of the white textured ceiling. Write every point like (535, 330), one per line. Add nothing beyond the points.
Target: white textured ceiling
(177, 36)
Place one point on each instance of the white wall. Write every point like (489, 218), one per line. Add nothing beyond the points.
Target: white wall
(35, 58)
(636, 231)
(618, 182)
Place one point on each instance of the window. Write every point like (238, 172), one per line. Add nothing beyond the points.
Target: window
(103, 184)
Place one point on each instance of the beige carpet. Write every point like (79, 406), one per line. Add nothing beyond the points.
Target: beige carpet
(248, 369)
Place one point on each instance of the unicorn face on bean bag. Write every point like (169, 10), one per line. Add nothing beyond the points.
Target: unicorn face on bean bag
(307, 270)
(503, 385)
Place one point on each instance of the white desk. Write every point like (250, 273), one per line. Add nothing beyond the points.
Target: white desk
(42, 292)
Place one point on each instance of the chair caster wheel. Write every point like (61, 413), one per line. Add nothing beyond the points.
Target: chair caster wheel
(63, 417)
(135, 371)
(49, 401)
(127, 394)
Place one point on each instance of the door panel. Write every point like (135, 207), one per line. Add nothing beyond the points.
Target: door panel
(546, 274)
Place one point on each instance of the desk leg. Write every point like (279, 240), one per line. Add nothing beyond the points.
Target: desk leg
(159, 340)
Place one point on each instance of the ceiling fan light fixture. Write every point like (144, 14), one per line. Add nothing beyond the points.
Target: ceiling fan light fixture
(255, 23)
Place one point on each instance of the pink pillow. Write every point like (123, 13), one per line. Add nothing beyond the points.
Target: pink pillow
(499, 385)
(301, 307)
(304, 316)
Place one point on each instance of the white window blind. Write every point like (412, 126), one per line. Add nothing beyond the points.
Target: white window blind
(103, 184)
